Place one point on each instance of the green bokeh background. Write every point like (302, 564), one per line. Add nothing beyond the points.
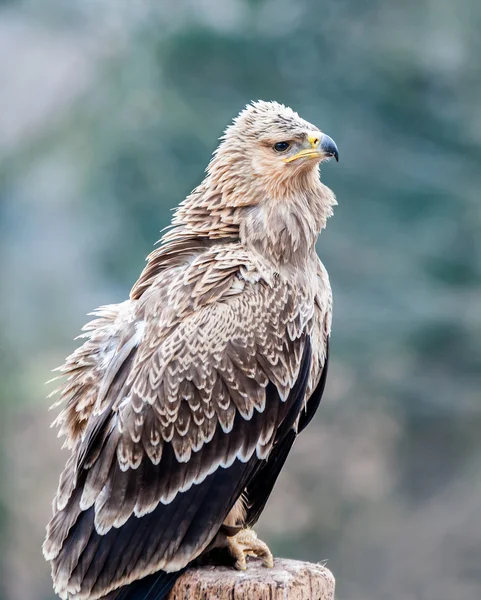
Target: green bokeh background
(109, 111)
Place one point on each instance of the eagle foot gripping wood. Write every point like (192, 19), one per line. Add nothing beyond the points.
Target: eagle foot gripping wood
(246, 543)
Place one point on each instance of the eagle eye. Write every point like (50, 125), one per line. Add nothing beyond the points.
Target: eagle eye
(282, 146)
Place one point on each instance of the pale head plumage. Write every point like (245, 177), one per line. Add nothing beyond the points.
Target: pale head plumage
(250, 145)
(269, 196)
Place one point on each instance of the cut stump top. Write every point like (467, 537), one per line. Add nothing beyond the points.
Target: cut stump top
(288, 580)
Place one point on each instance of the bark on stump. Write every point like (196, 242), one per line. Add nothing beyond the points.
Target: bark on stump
(288, 580)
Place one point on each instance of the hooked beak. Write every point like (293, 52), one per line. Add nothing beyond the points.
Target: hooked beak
(328, 147)
(318, 145)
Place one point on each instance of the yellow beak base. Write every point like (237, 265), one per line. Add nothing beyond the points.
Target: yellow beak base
(307, 153)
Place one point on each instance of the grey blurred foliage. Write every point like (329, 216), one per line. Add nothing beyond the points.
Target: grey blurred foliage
(109, 110)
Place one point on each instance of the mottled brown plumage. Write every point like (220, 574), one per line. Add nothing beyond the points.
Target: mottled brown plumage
(183, 402)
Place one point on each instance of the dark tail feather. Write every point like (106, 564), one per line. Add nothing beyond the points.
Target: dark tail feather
(153, 587)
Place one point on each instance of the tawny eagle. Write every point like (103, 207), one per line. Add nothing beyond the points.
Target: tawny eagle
(183, 402)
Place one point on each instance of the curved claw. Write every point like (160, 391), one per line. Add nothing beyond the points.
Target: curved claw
(246, 543)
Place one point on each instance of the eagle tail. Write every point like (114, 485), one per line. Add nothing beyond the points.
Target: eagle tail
(153, 587)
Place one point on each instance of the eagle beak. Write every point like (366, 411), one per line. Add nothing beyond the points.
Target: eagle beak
(318, 145)
(328, 147)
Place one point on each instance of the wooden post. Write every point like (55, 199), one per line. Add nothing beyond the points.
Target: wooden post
(288, 580)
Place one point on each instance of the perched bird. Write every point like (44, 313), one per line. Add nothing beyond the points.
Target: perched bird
(183, 402)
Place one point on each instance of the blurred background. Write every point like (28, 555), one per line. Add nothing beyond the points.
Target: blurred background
(109, 111)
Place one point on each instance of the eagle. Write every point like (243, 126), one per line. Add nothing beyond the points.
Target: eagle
(182, 404)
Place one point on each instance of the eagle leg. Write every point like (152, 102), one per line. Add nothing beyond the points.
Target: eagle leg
(246, 543)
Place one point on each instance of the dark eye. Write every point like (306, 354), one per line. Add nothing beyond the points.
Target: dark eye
(282, 146)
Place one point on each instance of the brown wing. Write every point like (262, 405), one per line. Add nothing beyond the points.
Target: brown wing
(260, 486)
(90, 370)
(174, 439)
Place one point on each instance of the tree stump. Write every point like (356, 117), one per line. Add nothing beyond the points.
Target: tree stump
(288, 580)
